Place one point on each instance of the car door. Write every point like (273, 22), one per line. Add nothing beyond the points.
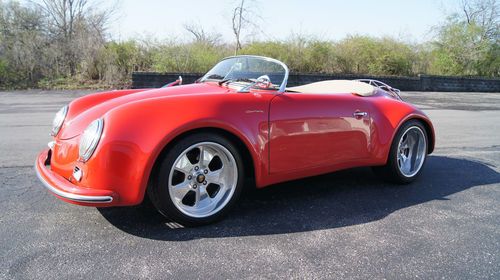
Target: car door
(317, 130)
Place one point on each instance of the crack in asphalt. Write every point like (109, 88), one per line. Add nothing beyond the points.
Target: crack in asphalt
(17, 166)
(24, 125)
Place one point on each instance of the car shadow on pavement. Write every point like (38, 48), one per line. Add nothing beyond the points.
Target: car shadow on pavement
(340, 199)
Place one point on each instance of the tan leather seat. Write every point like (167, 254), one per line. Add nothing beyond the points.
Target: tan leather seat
(336, 86)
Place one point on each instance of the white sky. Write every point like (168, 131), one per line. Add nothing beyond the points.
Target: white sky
(409, 20)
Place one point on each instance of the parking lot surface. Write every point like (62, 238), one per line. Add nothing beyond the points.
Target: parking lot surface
(347, 224)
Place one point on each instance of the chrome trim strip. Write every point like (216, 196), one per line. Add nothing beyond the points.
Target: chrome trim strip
(287, 71)
(72, 196)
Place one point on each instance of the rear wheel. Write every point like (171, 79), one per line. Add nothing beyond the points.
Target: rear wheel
(199, 180)
(407, 155)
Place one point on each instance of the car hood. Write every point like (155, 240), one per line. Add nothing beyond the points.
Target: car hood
(77, 120)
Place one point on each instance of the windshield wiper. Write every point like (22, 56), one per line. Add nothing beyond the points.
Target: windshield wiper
(235, 80)
(214, 77)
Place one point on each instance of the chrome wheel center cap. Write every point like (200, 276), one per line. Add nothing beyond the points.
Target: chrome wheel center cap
(200, 178)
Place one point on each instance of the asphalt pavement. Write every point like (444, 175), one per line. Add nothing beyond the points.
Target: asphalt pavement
(347, 225)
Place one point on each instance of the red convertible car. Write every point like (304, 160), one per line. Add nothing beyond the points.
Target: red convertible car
(190, 147)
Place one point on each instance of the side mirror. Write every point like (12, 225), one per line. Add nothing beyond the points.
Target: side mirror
(177, 82)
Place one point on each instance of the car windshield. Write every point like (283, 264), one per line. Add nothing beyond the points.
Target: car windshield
(247, 69)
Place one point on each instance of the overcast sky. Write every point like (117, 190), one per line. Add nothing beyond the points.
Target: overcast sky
(409, 20)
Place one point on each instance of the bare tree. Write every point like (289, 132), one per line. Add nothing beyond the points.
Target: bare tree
(485, 14)
(75, 25)
(244, 17)
(202, 36)
(21, 42)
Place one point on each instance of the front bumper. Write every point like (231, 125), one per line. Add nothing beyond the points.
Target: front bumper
(68, 191)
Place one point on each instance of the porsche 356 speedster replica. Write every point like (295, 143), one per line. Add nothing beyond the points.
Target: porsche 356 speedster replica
(190, 147)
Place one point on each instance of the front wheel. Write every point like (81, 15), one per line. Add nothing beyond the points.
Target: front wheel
(407, 155)
(199, 180)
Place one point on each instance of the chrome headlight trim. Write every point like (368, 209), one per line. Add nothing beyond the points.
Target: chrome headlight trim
(90, 138)
(59, 120)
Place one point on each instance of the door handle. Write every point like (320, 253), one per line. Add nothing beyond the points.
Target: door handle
(359, 115)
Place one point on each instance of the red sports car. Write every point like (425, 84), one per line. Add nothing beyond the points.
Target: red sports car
(189, 147)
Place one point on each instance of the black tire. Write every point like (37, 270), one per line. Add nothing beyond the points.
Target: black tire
(391, 172)
(158, 190)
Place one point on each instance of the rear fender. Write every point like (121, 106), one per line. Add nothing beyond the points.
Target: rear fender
(392, 114)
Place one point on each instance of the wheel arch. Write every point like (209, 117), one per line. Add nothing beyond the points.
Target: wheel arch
(236, 140)
(429, 129)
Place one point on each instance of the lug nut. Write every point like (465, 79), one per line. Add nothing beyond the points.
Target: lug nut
(205, 171)
(195, 186)
(196, 168)
(190, 177)
(204, 183)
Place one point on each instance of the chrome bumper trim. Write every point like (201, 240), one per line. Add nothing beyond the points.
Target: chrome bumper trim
(72, 196)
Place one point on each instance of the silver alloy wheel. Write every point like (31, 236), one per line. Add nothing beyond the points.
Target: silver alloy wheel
(203, 179)
(411, 152)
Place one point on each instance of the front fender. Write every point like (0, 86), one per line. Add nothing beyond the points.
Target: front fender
(135, 134)
(83, 103)
(79, 105)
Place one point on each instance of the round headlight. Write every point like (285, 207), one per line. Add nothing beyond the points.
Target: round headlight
(59, 120)
(90, 139)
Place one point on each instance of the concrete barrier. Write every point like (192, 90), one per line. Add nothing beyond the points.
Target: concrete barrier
(420, 83)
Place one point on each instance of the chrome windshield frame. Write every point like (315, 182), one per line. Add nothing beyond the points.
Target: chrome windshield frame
(282, 87)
